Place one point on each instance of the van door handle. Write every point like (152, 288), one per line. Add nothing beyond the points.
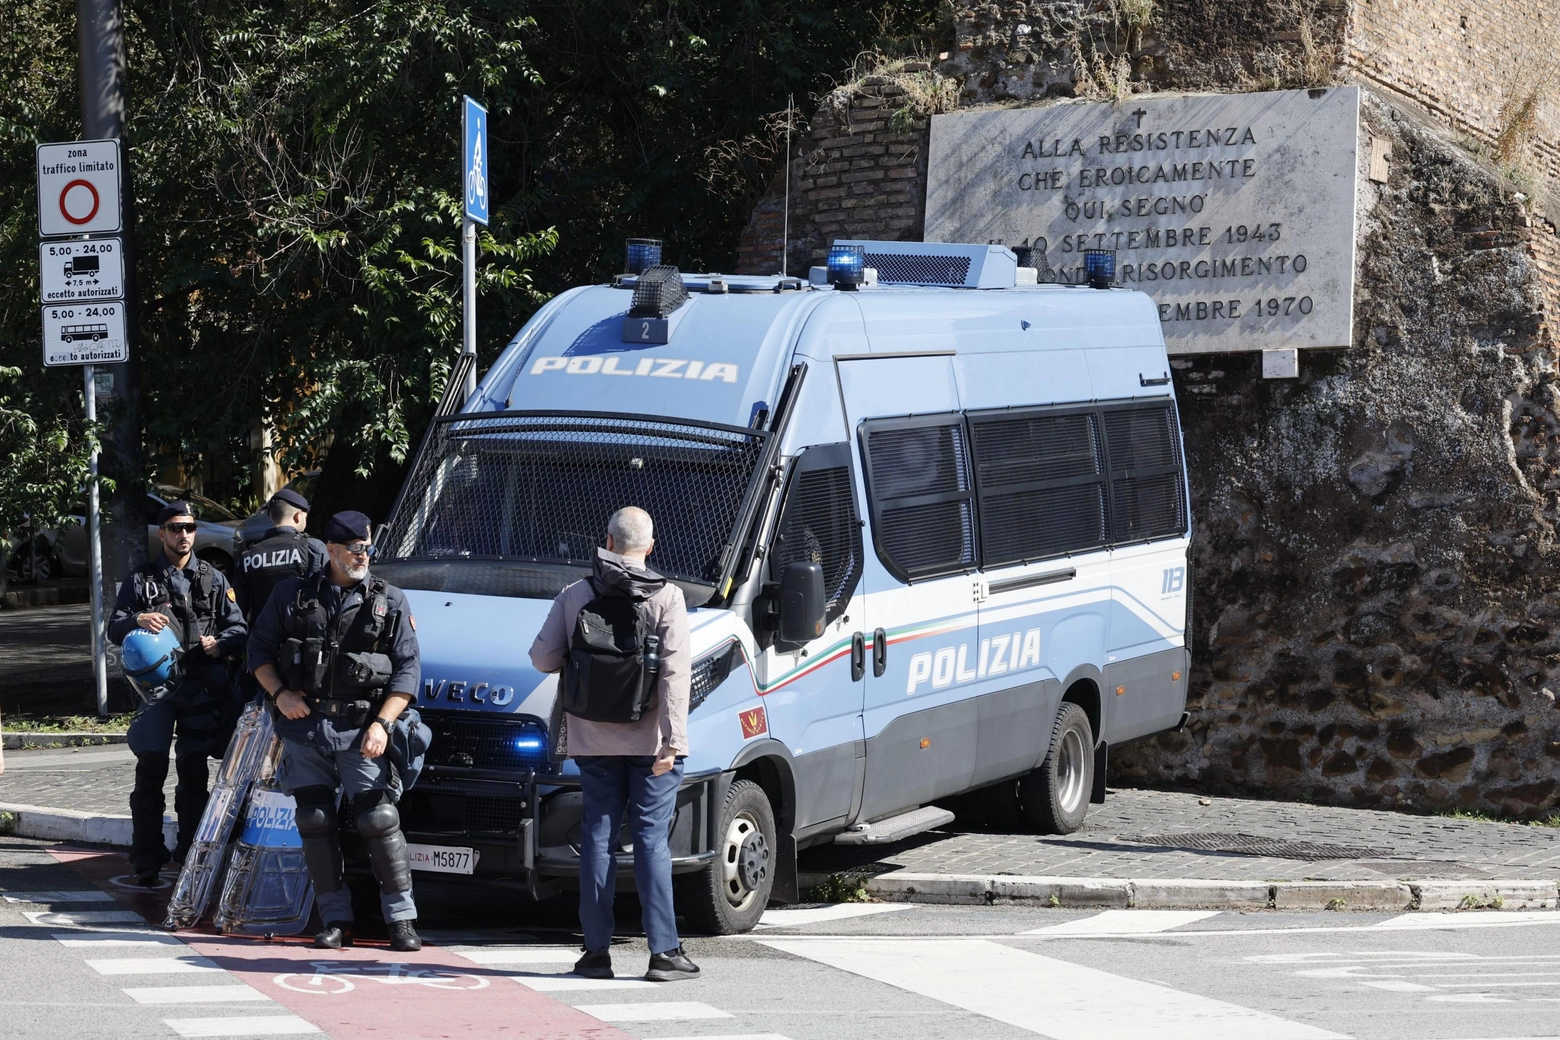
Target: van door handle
(879, 653)
(858, 657)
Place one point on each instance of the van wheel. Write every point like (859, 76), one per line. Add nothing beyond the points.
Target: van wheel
(1055, 797)
(729, 895)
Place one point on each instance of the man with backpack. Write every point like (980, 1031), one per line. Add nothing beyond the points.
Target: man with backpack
(620, 638)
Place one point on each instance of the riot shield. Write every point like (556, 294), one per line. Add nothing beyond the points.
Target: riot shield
(202, 870)
(267, 890)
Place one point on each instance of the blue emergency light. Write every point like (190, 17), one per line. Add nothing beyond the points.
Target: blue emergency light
(643, 254)
(530, 745)
(847, 265)
(1100, 266)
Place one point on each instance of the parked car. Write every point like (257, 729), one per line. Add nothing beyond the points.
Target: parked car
(215, 526)
(256, 524)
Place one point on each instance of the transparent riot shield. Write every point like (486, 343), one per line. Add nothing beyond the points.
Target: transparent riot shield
(267, 890)
(202, 871)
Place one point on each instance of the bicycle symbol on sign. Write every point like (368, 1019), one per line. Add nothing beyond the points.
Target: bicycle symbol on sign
(334, 978)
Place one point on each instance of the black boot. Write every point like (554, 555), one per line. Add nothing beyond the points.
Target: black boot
(189, 800)
(148, 851)
(404, 937)
(380, 826)
(335, 935)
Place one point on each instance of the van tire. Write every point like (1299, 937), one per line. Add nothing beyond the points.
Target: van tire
(1055, 798)
(730, 895)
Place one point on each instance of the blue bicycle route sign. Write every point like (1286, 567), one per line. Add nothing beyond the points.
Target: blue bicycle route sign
(475, 162)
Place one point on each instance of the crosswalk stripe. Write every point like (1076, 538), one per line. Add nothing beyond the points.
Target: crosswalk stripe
(736, 1036)
(152, 965)
(1469, 919)
(193, 994)
(575, 983)
(1075, 1002)
(518, 954)
(658, 1012)
(1125, 922)
(249, 1025)
(82, 918)
(825, 914)
(83, 895)
(125, 937)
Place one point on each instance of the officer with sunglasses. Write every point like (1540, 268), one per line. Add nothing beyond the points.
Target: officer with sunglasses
(336, 653)
(191, 599)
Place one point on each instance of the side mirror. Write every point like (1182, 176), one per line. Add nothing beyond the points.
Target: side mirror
(802, 603)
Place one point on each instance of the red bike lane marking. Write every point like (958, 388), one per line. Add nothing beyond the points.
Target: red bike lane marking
(433, 994)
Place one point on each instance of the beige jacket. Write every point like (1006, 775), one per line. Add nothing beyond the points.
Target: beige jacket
(666, 725)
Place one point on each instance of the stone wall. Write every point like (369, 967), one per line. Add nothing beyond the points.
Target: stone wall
(1377, 596)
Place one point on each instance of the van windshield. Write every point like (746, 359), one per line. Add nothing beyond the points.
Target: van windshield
(537, 488)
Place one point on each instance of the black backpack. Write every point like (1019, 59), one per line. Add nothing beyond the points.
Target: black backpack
(613, 661)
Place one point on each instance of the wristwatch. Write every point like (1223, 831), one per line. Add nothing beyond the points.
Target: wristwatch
(382, 725)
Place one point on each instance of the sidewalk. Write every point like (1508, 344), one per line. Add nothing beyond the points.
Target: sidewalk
(1141, 848)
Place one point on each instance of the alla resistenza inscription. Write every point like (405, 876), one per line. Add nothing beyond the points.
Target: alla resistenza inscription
(1235, 212)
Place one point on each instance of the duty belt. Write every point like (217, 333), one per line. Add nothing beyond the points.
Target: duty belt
(340, 709)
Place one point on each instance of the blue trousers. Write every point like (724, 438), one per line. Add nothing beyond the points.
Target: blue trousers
(612, 784)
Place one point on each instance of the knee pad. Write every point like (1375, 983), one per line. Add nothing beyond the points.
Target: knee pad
(151, 767)
(316, 811)
(378, 820)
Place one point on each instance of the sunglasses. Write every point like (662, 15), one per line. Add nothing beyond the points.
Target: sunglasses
(180, 528)
(359, 548)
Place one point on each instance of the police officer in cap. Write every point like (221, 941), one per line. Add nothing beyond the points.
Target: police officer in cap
(337, 655)
(192, 599)
(283, 552)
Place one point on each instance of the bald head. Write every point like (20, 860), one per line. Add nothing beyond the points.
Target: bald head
(630, 532)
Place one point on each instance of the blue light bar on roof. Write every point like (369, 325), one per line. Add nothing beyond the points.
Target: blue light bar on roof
(1100, 266)
(847, 265)
(643, 254)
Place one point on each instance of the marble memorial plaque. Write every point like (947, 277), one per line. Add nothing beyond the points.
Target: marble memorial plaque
(1235, 212)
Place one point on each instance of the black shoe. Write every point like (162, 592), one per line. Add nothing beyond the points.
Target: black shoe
(671, 966)
(596, 964)
(336, 935)
(146, 872)
(404, 937)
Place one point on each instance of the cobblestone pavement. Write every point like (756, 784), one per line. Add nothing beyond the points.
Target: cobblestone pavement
(1401, 846)
(1424, 847)
(95, 780)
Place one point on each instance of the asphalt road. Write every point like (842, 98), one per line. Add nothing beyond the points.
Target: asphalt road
(78, 959)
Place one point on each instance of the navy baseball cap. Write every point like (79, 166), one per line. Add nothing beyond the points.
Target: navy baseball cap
(173, 509)
(292, 498)
(350, 526)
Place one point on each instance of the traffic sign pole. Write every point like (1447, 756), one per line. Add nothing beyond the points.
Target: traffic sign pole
(95, 550)
(474, 211)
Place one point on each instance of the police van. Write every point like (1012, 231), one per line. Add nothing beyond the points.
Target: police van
(930, 519)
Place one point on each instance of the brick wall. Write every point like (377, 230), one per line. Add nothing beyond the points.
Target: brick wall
(1469, 66)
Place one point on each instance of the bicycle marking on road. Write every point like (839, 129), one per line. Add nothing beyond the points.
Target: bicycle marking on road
(331, 977)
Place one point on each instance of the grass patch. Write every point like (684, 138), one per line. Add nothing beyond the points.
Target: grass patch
(67, 723)
(1481, 816)
(838, 888)
(7, 824)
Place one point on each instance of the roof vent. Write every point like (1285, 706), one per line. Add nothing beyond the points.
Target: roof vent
(939, 263)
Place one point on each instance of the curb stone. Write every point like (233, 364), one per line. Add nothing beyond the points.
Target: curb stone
(1168, 894)
(1342, 895)
(38, 821)
(25, 740)
(1470, 895)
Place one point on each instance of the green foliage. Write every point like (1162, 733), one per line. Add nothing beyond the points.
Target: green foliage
(838, 888)
(296, 172)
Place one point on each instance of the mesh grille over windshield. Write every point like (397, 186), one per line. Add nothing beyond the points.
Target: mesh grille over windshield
(539, 487)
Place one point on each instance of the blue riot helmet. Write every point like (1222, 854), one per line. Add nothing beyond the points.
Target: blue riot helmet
(151, 662)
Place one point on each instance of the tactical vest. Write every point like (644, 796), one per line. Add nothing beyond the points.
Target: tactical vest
(344, 660)
(191, 614)
(267, 564)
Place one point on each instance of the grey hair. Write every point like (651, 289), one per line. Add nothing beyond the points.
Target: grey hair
(631, 529)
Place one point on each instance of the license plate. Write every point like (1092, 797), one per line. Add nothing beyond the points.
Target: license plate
(441, 859)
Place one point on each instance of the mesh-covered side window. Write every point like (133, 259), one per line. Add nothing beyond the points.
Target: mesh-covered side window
(1042, 484)
(923, 503)
(1146, 494)
(818, 524)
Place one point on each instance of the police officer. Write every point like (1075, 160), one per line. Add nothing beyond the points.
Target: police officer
(337, 655)
(193, 599)
(283, 552)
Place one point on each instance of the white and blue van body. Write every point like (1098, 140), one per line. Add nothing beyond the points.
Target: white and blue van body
(988, 476)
